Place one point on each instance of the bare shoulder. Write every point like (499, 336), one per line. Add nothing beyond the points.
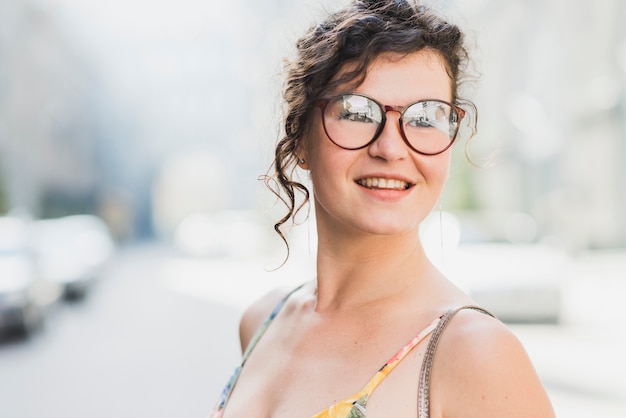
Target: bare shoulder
(482, 370)
(258, 312)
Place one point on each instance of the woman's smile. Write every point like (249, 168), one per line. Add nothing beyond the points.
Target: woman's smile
(382, 183)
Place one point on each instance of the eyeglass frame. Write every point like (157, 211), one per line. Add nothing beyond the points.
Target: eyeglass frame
(460, 112)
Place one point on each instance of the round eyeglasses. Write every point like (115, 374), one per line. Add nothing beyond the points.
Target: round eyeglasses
(354, 121)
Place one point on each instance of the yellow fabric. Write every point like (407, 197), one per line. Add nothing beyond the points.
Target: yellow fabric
(355, 405)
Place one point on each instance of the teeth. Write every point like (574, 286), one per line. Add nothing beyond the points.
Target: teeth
(382, 183)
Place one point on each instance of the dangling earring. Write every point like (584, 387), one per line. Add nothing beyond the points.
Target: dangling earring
(440, 208)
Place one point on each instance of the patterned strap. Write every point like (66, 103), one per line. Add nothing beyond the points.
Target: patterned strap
(423, 398)
(265, 325)
(228, 389)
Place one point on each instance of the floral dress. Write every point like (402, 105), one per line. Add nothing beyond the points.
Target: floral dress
(355, 406)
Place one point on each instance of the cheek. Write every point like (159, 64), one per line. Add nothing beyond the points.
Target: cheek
(312, 139)
(320, 152)
(436, 169)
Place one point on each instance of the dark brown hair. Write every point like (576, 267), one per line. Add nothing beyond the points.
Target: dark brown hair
(356, 34)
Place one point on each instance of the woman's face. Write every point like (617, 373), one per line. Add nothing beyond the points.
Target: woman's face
(345, 198)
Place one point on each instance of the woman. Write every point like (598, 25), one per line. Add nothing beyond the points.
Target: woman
(372, 111)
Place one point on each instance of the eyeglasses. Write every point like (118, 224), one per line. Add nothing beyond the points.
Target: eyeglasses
(354, 121)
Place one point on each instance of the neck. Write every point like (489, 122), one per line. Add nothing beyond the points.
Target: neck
(359, 271)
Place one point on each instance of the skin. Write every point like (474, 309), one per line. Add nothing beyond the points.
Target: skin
(376, 289)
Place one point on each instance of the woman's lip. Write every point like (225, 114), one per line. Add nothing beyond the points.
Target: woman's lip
(384, 183)
(385, 195)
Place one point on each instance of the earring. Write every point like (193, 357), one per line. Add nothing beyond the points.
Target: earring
(301, 161)
(441, 240)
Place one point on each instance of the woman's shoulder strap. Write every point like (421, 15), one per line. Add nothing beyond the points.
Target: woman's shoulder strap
(423, 399)
(228, 389)
(261, 330)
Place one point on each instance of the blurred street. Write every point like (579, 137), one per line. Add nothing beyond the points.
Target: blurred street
(132, 348)
(157, 337)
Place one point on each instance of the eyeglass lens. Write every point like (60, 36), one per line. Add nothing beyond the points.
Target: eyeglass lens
(352, 121)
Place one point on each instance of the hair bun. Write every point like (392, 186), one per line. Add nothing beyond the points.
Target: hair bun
(375, 4)
(387, 7)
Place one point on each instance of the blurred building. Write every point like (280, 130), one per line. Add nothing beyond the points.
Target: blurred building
(552, 100)
(94, 104)
(46, 132)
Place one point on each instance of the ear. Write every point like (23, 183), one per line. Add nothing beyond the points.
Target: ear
(301, 152)
(303, 162)
(301, 156)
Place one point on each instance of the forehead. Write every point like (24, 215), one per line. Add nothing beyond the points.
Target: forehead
(403, 78)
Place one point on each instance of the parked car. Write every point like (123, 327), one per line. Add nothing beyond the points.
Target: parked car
(24, 296)
(72, 251)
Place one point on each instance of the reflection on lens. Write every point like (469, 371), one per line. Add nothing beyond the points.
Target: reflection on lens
(352, 121)
(428, 126)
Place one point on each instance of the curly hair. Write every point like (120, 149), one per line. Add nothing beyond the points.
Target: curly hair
(356, 35)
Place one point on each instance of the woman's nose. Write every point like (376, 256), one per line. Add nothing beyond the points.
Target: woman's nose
(390, 144)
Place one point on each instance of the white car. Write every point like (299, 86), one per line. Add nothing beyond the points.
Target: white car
(72, 251)
(24, 296)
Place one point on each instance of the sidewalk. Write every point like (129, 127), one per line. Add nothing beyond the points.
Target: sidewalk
(581, 360)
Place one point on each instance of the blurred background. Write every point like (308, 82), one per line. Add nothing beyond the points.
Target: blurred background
(134, 230)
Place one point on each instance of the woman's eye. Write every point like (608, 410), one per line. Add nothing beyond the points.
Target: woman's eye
(355, 117)
(419, 122)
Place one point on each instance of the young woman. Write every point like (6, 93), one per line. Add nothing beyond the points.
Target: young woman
(372, 113)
